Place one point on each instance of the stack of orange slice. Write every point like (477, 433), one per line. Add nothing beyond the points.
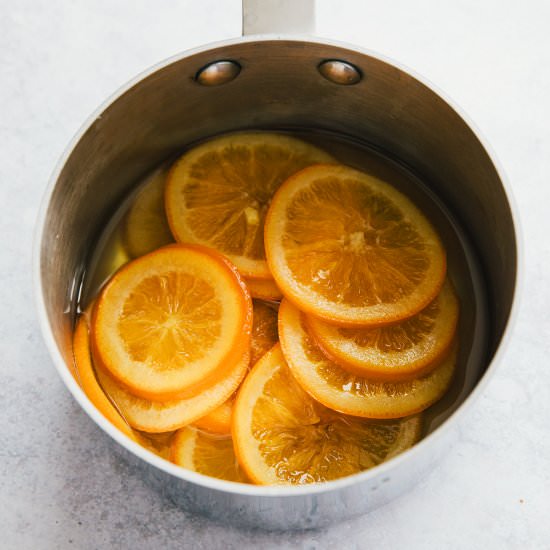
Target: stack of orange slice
(367, 319)
(218, 194)
(170, 337)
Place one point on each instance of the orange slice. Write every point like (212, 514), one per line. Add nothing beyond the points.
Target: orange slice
(395, 352)
(349, 248)
(172, 322)
(219, 420)
(88, 382)
(264, 289)
(348, 393)
(146, 227)
(156, 416)
(217, 193)
(283, 436)
(207, 454)
(264, 337)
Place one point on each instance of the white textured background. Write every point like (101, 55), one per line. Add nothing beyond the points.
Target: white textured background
(59, 485)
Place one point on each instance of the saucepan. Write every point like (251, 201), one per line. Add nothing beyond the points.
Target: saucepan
(286, 82)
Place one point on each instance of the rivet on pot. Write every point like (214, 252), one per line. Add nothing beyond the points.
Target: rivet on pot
(340, 72)
(218, 72)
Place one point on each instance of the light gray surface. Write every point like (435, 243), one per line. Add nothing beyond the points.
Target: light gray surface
(60, 487)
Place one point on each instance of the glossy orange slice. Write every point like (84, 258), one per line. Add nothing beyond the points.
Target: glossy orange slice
(217, 193)
(283, 436)
(164, 416)
(349, 248)
(217, 421)
(207, 454)
(394, 352)
(348, 393)
(171, 322)
(146, 227)
(264, 289)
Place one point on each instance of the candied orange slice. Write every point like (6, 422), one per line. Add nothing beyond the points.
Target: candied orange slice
(264, 289)
(394, 352)
(351, 394)
(264, 337)
(146, 227)
(217, 193)
(349, 248)
(208, 454)
(172, 322)
(164, 416)
(88, 382)
(219, 420)
(283, 436)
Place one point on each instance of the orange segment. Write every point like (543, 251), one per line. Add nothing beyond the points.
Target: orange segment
(217, 194)
(395, 352)
(283, 436)
(88, 382)
(349, 248)
(346, 392)
(264, 289)
(264, 337)
(146, 227)
(171, 321)
(207, 454)
(157, 416)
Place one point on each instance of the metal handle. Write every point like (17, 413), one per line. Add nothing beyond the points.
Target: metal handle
(278, 17)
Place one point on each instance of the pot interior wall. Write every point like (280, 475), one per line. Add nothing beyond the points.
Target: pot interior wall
(279, 86)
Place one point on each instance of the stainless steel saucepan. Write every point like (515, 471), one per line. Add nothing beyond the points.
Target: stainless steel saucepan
(276, 81)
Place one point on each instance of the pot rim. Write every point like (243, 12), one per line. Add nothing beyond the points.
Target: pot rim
(382, 470)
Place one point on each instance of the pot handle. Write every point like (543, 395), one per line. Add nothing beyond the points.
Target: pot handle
(278, 17)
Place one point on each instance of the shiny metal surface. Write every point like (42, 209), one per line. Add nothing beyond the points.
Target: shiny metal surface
(217, 73)
(279, 87)
(340, 72)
